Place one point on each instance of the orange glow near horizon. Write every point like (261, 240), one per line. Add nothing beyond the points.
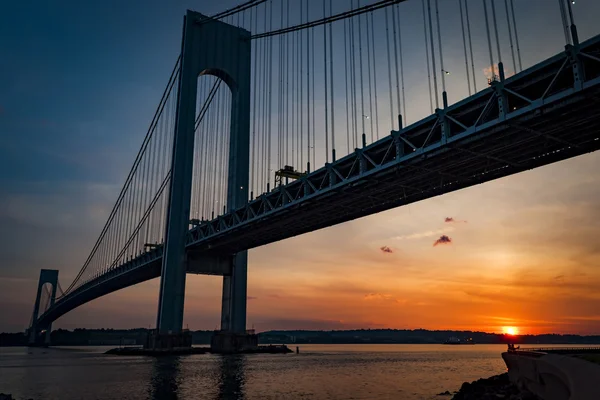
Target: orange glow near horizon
(510, 330)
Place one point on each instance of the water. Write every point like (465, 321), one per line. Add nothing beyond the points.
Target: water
(318, 372)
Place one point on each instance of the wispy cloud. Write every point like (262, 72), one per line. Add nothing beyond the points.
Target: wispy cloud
(443, 240)
(382, 297)
(426, 234)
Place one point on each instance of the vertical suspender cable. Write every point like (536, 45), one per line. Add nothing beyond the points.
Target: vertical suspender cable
(401, 64)
(462, 25)
(387, 39)
(470, 45)
(331, 84)
(563, 16)
(270, 92)
(496, 31)
(314, 130)
(360, 71)
(512, 48)
(301, 103)
(346, 45)
(326, 86)
(439, 31)
(369, 74)
(254, 116)
(433, 69)
(280, 96)
(487, 28)
(354, 110)
(427, 56)
(307, 94)
(512, 9)
(287, 87)
(394, 24)
(374, 75)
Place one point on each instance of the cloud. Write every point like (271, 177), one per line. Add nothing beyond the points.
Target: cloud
(386, 249)
(443, 240)
(382, 297)
(425, 234)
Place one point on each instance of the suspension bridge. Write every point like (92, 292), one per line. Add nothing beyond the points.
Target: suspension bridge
(284, 117)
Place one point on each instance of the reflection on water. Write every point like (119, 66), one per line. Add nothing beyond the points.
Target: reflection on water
(231, 385)
(318, 372)
(163, 381)
(172, 379)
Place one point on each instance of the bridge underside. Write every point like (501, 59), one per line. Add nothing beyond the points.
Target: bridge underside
(549, 117)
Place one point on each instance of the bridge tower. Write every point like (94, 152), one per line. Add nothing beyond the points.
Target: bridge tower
(215, 48)
(46, 276)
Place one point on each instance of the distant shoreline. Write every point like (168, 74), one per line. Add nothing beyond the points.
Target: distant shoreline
(132, 337)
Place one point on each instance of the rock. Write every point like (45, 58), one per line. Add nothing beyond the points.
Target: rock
(492, 388)
(446, 393)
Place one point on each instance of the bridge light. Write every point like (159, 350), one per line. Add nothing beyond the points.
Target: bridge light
(446, 72)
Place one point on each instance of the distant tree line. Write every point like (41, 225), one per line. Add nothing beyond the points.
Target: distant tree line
(128, 337)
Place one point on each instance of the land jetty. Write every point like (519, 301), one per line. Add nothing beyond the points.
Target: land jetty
(178, 351)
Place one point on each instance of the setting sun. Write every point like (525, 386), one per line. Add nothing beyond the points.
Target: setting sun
(510, 330)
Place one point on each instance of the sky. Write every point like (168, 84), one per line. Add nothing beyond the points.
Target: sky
(79, 84)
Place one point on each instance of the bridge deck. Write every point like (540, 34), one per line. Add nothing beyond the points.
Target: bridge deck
(548, 118)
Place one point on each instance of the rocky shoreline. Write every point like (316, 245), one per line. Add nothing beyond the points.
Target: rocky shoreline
(492, 388)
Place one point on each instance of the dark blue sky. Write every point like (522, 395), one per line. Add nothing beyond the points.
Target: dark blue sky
(80, 81)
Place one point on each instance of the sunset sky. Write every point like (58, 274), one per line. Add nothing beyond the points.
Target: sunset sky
(78, 87)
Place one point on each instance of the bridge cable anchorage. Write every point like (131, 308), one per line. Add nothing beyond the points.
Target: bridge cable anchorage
(332, 105)
(387, 40)
(471, 45)
(128, 180)
(374, 76)
(347, 14)
(512, 9)
(510, 38)
(487, 28)
(433, 68)
(462, 25)
(427, 56)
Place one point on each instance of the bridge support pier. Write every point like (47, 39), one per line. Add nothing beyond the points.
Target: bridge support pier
(209, 47)
(46, 276)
